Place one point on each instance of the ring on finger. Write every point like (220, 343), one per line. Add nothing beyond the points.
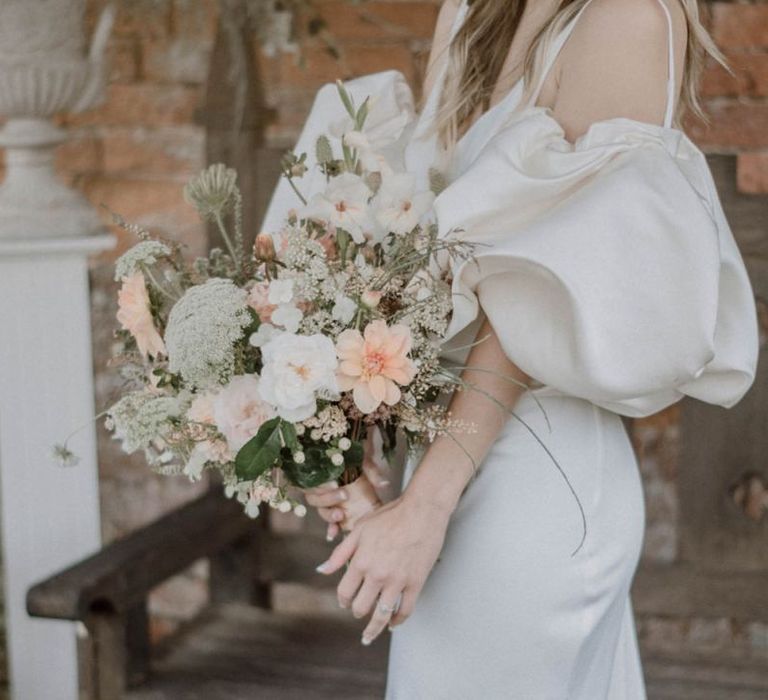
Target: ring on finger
(388, 609)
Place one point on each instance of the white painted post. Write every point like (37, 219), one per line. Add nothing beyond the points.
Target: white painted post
(49, 514)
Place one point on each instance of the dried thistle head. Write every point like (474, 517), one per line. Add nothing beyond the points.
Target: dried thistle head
(213, 192)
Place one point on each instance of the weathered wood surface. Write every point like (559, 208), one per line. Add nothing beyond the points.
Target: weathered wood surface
(120, 575)
(681, 590)
(237, 652)
(703, 678)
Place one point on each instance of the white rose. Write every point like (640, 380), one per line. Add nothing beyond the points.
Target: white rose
(298, 369)
(280, 291)
(344, 309)
(263, 335)
(239, 410)
(287, 316)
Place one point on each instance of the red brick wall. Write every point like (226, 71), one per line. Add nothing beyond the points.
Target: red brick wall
(738, 104)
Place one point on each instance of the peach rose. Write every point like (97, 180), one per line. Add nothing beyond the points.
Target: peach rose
(134, 315)
(373, 363)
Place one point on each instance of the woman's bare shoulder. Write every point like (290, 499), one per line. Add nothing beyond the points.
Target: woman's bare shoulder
(615, 63)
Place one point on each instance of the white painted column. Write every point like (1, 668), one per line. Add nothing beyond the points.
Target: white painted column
(50, 513)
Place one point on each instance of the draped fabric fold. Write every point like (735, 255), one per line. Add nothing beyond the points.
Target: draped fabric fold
(606, 267)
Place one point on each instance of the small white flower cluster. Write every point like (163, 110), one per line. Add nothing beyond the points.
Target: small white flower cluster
(203, 327)
(263, 490)
(141, 419)
(330, 422)
(143, 253)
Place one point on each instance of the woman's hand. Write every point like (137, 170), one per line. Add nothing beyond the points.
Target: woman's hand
(342, 506)
(390, 552)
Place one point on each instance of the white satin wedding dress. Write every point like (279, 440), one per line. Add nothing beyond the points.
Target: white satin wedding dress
(611, 276)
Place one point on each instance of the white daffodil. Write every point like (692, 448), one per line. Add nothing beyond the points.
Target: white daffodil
(344, 308)
(344, 204)
(288, 316)
(297, 369)
(280, 291)
(397, 207)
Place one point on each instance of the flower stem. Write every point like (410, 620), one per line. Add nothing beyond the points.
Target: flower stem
(227, 241)
(296, 190)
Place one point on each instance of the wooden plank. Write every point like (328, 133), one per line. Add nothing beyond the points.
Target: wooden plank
(681, 590)
(236, 651)
(119, 576)
(702, 677)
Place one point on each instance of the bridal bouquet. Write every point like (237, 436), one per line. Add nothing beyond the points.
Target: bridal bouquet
(271, 365)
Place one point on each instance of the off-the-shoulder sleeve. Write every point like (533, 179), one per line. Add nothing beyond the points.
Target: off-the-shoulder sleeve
(607, 268)
(387, 128)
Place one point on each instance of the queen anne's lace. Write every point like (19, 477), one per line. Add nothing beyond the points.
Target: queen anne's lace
(143, 253)
(141, 417)
(203, 327)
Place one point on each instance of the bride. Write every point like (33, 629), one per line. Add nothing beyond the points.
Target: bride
(609, 285)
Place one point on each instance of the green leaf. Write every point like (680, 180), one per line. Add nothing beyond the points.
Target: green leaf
(260, 453)
(353, 457)
(317, 469)
(290, 437)
(362, 115)
(346, 99)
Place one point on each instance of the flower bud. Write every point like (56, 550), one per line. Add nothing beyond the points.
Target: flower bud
(337, 459)
(264, 248)
(371, 298)
(284, 506)
(300, 510)
(345, 443)
(299, 457)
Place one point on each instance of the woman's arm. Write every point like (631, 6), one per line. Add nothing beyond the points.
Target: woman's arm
(392, 550)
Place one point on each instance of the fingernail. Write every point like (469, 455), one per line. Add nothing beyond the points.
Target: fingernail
(323, 568)
(329, 537)
(366, 641)
(384, 482)
(337, 516)
(343, 496)
(391, 628)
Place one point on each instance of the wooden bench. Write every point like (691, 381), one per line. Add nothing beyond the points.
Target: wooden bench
(238, 648)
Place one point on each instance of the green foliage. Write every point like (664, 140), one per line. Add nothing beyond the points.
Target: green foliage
(261, 452)
(316, 469)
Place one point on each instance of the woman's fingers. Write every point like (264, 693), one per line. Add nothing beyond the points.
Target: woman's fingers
(407, 604)
(341, 554)
(348, 586)
(366, 597)
(387, 604)
(332, 532)
(326, 498)
(332, 515)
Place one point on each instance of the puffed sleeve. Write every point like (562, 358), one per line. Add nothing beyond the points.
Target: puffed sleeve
(387, 128)
(606, 268)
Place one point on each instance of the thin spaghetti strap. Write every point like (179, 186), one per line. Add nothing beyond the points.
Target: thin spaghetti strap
(561, 38)
(669, 113)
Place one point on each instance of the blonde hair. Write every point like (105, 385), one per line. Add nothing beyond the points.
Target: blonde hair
(477, 53)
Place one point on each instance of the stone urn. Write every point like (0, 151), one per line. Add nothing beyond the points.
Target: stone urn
(45, 70)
